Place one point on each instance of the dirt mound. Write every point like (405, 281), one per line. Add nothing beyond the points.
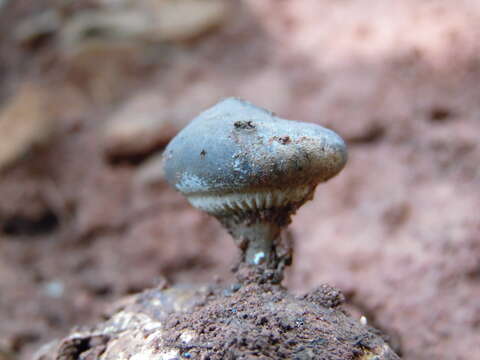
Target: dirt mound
(240, 322)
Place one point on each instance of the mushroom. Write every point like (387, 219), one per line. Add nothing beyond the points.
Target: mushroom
(252, 170)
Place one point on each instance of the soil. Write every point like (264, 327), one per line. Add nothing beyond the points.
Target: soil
(256, 323)
(249, 321)
(397, 231)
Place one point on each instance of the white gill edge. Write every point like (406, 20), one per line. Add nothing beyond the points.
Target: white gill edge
(253, 201)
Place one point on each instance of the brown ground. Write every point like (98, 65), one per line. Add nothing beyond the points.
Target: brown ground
(242, 321)
(398, 231)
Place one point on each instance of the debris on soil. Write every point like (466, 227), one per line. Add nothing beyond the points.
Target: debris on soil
(143, 21)
(138, 129)
(326, 296)
(151, 173)
(240, 322)
(102, 27)
(186, 19)
(365, 134)
(38, 27)
(26, 122)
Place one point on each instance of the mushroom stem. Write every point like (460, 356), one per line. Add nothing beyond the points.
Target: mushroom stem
(258, 242)
(252, 170)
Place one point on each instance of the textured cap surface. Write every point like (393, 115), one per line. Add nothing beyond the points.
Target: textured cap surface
(237, 147)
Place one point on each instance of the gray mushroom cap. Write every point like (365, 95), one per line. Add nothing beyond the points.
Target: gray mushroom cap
(236, 147)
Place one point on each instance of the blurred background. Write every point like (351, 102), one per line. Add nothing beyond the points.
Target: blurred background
(91, 92)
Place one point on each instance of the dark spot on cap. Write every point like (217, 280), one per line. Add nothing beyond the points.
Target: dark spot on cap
(284, 140)
(248, 125)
